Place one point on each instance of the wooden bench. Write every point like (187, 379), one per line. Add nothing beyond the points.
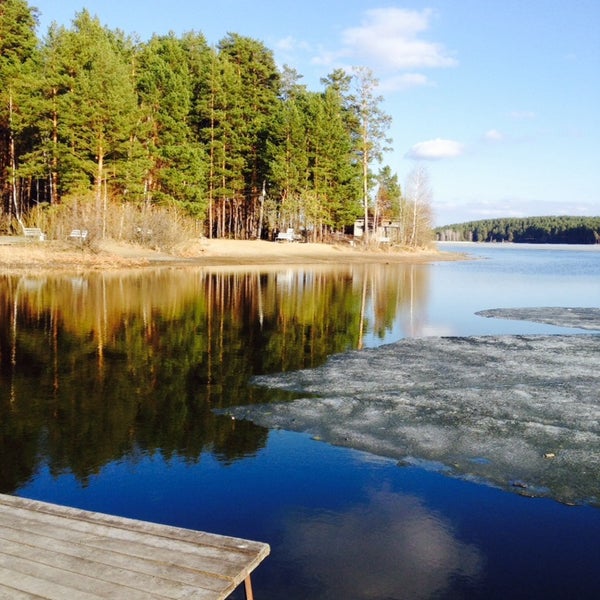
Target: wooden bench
(288, 236)
(79, 234)
(285, 236)
(60, 553)
(34, 232)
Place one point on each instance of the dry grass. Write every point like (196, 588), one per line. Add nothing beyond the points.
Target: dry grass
(56, 256)
(18, 255)
(126, 235)
(154, 227)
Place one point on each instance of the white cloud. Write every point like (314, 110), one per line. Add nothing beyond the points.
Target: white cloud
(493, 135)
(326, 58)
(403, 82)
(390, 42)
(290, 43)
(389, 38)
(286, 43)
(436, 150)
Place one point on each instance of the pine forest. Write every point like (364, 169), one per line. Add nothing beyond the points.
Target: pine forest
(92, 119)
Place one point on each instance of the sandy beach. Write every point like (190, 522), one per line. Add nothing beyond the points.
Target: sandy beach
(18, 255)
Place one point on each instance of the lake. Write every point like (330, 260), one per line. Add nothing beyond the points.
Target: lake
(114, 389)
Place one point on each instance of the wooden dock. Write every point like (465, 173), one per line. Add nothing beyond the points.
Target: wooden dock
(58, 553)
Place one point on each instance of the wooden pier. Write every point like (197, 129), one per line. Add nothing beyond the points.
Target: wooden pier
(58, 553)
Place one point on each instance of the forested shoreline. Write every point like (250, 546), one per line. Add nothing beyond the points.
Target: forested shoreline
(92, 117)
(537, 230)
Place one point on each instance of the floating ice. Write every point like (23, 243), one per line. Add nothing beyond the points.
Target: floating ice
(521, 412)
(581, 318)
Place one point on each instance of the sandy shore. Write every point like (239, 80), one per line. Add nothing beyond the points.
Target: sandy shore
(18, 255)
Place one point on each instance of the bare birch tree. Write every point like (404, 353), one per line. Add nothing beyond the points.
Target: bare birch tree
(418, 194)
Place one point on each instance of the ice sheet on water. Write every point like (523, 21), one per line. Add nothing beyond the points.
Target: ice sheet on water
(581, 318)
(519, 412)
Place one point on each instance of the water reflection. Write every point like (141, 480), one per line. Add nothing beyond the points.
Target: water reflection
(389, 547)
(100, 367)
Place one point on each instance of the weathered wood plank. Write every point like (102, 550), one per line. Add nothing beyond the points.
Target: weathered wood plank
(132, 543)
(179, 533)
(81, 584)
(151, 569)
(41, 588)
(107, 579)
(54, 552)
(12, 594)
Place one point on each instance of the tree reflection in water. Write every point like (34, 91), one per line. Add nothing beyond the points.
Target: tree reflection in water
(101, 367)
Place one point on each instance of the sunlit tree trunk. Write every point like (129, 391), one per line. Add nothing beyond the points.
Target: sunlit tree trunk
(54, 159)
(373, 124)
(13, 160)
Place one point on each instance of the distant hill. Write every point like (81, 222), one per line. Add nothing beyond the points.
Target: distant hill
(537, 230)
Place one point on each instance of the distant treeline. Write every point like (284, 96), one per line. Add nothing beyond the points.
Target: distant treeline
(537, 230)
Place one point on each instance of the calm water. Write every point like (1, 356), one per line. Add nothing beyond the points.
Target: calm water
(108, 384)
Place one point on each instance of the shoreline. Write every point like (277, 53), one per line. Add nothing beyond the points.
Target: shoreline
(18, 255)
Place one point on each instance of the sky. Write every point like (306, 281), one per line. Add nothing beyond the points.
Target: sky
(498, 99)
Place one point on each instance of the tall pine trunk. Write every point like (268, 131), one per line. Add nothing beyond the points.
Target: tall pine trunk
(100, 200)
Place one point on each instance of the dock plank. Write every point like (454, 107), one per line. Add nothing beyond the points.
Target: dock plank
(132, 544)
(116, 560)
(109, 580)
(55, 552)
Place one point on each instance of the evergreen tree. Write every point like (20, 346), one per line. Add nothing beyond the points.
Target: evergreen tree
(389, 203)
(257, 90)
(288, 153)
(389, 194)
(18, 44)
(43, 159)
(312, 161)
(90, 109)
(335, 176)
(540, 230)
(219, 132)
(165, 86)
(371, 137)
(220, 121)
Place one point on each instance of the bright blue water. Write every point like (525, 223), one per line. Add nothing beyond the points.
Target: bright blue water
(507, 276)
(347, 525)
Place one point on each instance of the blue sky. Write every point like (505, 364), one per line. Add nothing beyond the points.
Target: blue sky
(499, 99)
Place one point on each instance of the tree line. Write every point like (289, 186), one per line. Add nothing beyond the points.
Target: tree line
(220, 133)
(537, 230)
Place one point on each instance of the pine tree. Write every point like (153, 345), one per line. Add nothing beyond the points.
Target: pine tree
(220, 125)
(94, 108)
(165, 86)
(337, 177)
(288, 153)
(18, 44)
(371, 137)
(219, 132)
(389, 203)
(42, 161)
(256, 86)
